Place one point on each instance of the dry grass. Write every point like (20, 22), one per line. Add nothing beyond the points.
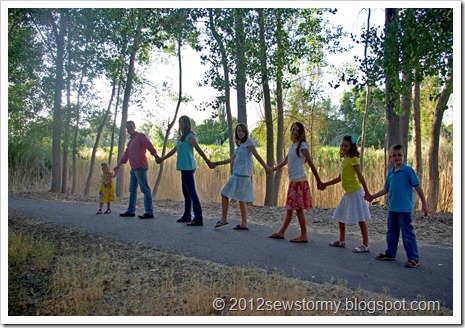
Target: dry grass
(92, 275)
(210, 182)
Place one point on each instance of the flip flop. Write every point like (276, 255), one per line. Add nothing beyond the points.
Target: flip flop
(220, 224)
(298, 240)
(274, 235)
(238, 227)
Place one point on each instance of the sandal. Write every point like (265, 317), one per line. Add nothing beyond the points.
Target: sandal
(220, 224)
(275, 235)
(338, 243)
(238, 227)
(361, 249)
(99, 212)
(384, 257)
(108, 211)
(412, 264)
(298, 240)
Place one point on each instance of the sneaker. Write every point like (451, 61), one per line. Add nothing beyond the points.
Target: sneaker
(127, 214)
(183, 220)
(146, 216)
(195, 223)
(384, 257)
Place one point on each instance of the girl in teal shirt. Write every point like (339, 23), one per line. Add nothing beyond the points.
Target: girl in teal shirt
(185, 163)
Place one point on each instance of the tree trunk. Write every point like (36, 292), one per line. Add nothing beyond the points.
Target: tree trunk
(367, 98)
(76, 129)
(268, 114)
(59, 83)
(124, 113)
(406, 109)
(280, 111)
(241, 66)
(170, 124)
(392, 69)
(224, 63)
(433, 153)
(417, 160)
(113, 127)
(97, 138)
(64, 174)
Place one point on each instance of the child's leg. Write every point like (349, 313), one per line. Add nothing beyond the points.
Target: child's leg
(224, 208)
(342, 231)
(408, 236)
(364, 230)
(243, 207)
(108, 205)
(287, 221)
(392, 236)
(303, 224)
(100, 208)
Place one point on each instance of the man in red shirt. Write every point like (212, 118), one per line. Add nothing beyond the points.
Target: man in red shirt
(135, 153)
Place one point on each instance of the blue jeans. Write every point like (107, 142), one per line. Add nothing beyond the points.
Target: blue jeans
(190, 196)
(401, 221)
(139, 177)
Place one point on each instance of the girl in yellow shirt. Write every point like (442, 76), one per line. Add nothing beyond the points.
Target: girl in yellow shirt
(352, 207)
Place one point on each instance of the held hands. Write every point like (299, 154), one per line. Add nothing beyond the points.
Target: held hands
(269, 170)
(368, 197)
(321, 185)
(211, 164)
(158, 159)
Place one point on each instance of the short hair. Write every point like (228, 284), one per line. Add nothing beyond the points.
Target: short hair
(397, 147)
(130, 122)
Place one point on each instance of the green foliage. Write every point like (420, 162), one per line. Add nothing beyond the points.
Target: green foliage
(352, 110)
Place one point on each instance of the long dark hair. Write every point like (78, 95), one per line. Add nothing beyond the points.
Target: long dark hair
(238, 140)
(301, 135)
(187, 127)
(353, 151)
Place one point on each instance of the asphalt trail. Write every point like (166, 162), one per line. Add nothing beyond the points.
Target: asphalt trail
(315, 261)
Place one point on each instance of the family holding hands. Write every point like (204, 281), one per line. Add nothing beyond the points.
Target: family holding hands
(353, 207)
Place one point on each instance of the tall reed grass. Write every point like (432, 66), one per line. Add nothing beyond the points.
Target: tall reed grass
(209, 182)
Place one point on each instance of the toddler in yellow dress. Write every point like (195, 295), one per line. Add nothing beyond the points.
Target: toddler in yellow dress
(107, 189)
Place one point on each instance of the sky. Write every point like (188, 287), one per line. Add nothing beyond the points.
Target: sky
(351, 18)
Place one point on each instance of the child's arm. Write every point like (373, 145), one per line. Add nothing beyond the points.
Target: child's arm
(279, 166)
(358, 170)
(161, 159)
(370, 198)
(331, 182)
(308, 158)
(424, 206)
(194, 143)
(224, 162)
(260, 159)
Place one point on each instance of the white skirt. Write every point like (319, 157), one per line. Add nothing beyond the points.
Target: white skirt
(353, 208)
(239, 188)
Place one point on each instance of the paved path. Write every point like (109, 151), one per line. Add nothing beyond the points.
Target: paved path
(315, 261)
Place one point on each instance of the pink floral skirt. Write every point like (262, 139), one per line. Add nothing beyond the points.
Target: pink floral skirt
(298, 196)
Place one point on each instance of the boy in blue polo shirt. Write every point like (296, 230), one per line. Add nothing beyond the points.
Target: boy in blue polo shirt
(400, 182)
